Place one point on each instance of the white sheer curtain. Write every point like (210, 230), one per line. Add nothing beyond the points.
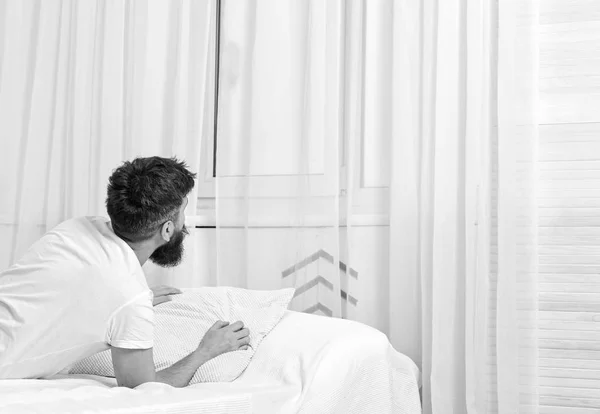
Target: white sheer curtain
(516, 310)
(87, 85)
(396, 139)
(464, 214)
(378, 156)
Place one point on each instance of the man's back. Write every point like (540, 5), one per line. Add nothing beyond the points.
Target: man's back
(77, 290)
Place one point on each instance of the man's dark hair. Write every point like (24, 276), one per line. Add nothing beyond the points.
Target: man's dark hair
(145, 193)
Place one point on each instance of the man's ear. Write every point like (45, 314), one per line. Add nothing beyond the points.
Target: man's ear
(166, 231)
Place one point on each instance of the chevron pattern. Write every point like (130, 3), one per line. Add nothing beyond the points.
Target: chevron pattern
(315, 256)
(320, 280)
(319, 307)
(313, 283)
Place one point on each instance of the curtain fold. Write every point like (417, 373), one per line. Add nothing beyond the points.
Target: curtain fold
(516, 356)
(463, 207)
(87, 85)
(474, 117)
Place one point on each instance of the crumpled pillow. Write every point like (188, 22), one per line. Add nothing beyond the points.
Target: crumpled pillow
(182, 323)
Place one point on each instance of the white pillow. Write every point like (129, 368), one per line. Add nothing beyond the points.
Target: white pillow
(182, 322)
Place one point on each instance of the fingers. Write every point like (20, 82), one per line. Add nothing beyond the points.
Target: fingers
(242, 333)
(236, 326)
(244, 348)
(219, 324)
(161, 294)
(160, 299)
(163, 290)
(244, 341)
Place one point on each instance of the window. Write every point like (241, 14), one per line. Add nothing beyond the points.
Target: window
(284, 111)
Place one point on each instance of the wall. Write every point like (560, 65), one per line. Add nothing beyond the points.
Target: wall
(569, 207)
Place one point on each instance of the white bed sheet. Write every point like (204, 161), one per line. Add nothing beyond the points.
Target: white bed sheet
(335, 366)
(93, 394)
(307, 365)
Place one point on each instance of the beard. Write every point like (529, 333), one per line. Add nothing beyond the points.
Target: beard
(170, 254)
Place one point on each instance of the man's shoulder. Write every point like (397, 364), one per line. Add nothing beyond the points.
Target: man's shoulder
(82, 221)
(75, 226)
(85, 241)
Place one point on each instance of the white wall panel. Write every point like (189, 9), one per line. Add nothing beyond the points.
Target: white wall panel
(569, 207)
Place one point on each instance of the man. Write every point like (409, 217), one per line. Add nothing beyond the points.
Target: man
(80, 289)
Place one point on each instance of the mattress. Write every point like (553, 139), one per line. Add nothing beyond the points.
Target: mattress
(308, 364)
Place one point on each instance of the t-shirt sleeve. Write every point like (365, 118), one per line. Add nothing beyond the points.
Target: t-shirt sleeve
(132, 326)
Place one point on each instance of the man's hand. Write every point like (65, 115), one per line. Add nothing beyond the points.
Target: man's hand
(223, 337)
(163, 294)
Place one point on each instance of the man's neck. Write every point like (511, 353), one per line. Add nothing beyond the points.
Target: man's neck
(143, 251)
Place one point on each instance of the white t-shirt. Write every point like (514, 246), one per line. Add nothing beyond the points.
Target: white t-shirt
(77, 290)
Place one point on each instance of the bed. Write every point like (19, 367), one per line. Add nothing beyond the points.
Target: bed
(308, 364)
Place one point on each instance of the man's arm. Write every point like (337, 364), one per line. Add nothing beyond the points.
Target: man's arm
(136, 366)
(180, 373)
